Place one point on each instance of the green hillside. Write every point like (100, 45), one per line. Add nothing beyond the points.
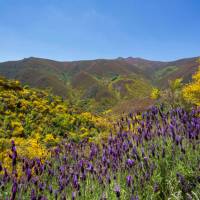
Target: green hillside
(99, 85)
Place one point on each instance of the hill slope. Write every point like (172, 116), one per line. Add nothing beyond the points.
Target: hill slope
(99, 84)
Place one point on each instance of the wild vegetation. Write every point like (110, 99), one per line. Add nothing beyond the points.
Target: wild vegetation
(179, 94)
(191, 92)
(36, 120)
(57, 151)
(157, 158)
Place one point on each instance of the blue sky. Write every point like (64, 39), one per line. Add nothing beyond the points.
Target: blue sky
(89, 29)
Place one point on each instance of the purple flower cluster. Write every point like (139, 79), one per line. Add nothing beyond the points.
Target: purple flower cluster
(122, 167)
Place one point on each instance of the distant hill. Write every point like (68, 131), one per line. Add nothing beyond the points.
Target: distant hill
(160, 72)
(102, 83)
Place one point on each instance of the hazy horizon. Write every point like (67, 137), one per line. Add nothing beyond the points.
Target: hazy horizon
(100, 59)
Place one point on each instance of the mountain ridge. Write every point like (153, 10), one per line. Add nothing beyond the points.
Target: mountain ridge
(101, 83)
(117, 58)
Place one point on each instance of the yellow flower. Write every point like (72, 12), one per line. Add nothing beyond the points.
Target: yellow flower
(155, 94)
(191, 92)
(7, 112)
(49, 138)
(86, 134)
(17, 128)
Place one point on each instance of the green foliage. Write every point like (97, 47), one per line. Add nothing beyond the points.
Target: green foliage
(160, 73)
(33, 113)
(115, 78)
(177, 94)
(171, 97)
(130, 87)
(175, 84)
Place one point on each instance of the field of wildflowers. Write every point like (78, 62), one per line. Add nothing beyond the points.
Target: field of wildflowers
(157, 158)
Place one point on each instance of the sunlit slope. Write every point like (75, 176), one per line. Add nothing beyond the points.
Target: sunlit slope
(99, 85)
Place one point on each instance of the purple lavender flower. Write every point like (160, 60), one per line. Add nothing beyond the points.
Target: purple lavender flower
(146, 161)
(90, 167)
(28, 174)
(75, 182)
(34, 180)
(130, 162)
(108, 179)
(50, 189)
(129, 180)
(5, 175)
(33, 195)
(156, 187)
(134, 198)
(41, 186)
(13, 147)
(117, 191)
(56, 194)
(178, 139)
(73, 195)
(14, 159)
(14, 190)
(41, 197)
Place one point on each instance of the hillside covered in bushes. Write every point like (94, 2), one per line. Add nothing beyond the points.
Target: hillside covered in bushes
(36, 119)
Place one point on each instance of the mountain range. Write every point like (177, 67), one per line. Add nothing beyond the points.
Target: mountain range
(102, 83)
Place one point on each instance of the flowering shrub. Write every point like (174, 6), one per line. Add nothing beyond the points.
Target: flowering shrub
(157, 160)
(191, 92)
(178, 94)
(31, 114)
(155, 94)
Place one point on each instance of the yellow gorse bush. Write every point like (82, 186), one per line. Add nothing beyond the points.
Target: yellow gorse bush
(36, 120)
(30, 148)
(191, 92)
(155, 94)
(175, 84)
